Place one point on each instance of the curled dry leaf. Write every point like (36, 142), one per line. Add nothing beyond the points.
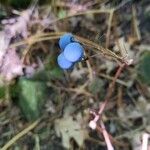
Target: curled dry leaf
(19, 26)
(11, 66)
(4, 43)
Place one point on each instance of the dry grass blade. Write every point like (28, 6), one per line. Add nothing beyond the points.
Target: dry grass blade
(95, 11)
(102, 50)
(135, 29)
(109, 27)
(55, 35)
(20, 134)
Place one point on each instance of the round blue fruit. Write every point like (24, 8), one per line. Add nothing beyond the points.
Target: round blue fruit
(74, 52)
(65, 40)
(63, 62)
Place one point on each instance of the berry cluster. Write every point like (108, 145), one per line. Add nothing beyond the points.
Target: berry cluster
(71, 51)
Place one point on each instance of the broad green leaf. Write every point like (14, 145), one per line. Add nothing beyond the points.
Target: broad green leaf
(31, 96)
(143, 68)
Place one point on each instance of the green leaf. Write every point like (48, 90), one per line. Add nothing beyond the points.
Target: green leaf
(143, 68)
(2, 92)
(31, 96)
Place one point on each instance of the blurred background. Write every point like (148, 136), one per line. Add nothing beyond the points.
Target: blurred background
(43, 107)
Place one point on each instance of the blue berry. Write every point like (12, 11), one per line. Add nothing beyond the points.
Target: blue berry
(65, 40)
(63, 62)
(74, 52)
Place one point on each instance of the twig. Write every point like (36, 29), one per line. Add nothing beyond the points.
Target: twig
(126, 84)
(106, 137)
(100, 130)
(111, 87)
(145, 138)
(93, 123)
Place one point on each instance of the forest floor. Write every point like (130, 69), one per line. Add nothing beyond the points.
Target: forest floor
(43, 107)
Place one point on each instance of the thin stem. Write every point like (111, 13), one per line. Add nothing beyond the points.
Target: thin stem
(111, 87)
